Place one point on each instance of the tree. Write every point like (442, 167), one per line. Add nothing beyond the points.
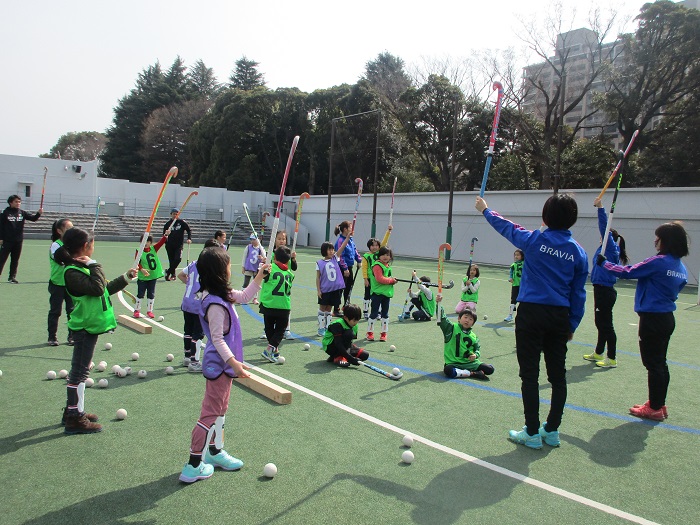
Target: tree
(78, 145)
(658, 68)
(202, 82)
(246, 75)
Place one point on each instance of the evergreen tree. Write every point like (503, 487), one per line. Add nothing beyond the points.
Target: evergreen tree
(246, 75)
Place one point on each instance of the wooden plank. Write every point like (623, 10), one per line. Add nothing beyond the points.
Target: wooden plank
(266, 388)
(134, 324)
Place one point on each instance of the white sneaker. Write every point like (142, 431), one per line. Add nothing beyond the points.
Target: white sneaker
(288, 335)
(262, 336)
(195, 367)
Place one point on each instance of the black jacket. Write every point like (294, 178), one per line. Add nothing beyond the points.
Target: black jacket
(12, 223)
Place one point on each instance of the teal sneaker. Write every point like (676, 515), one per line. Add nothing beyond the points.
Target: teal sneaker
(523, 438)
(223, 460)
(191, 474)
(550, 438)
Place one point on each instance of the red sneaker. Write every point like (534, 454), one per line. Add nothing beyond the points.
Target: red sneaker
(647, 412)
(663, 408)
(137, 314)
(382, 337)
(370, 336)
(341, 361)
(150, 314)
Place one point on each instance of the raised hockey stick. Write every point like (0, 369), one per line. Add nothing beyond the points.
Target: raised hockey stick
(184, 204)
(394, 377)
(471, 256)
(43, 187)
(357, 202)
(100, 202)
(275, 225)
(250, 223)
(612, 206)
(391, 210)
(492, 141)
(447, 286)
(171, 174)
(619, 164)
(441, 264)
(233, 230)
(296, 225)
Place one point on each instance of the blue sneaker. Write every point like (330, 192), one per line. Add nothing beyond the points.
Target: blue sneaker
(321, 332)
(270, 354)
(523, 438)
(551, 438)
(223, 460)
(191, 474)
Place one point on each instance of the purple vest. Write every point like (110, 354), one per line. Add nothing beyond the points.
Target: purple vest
(190, 303)
(331, 275)
(213, 365)
(251, 258)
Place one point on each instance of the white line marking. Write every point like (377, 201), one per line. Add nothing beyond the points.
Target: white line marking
(437, 446)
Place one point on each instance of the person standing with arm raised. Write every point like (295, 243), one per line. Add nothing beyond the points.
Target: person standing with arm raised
(12, 234)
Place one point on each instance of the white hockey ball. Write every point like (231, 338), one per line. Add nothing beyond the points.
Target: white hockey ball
(407, 441)
(161, 318)
(395, 371)
(89, 382)
(169, 370)
(50, 375)
(486, 317)
(270, 470)
(108, 346)
(307, 346)
(121, 413)
(392, 348)
(135, 356)
(63, 374)
(281, 360)
(142, 374)
(169, 357)
(407, 457)
(103, 383)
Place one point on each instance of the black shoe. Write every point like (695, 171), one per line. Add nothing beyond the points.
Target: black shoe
(70, 341)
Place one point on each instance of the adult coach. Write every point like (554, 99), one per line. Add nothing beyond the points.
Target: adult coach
(175, 241)
(12, 234)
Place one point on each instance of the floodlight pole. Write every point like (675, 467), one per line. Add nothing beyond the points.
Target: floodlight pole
(448, 236)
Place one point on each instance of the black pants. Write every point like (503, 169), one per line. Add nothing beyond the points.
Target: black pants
(83, 350)
(655, 331)
(12, 250)
(174, 258)
(349, 282)
(57, 296)
(192, 331)
(419, 314)
(604, 298)
(276, 322)
(147, 288)
(542, 329)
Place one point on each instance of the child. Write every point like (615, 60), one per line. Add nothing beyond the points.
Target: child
(462, 349)
(275, 301)
(253, 255)
(150, 270)
(347, 262)
(470, 290)
(220, 238)
(281, 240)
(92, 315)
(604, 293)
(552, 300)
(516, 273)
(192, 331)
(223, 360)
(337, 341)
(368, 259)
(58, 259)
(382, 291)
(659, 280)
(423, 300)
(329, 284)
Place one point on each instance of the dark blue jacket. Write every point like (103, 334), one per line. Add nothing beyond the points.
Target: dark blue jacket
(556, 266)
(612, 254)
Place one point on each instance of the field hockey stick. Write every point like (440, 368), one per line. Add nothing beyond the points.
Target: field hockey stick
(233, 230)
(391, 210)
(441, 264)
(408, 292)
(43, 187)
(128, 294)
(188, 254)
(276, 223)
(184, 204)
(619, 163)
(471, 256)
(394, 377)
(250, 223)
(296, 226)
(97, 213)
(171, 175)
(357, 202)
(612, 208)
(492, 140)
(447, 286)
(352, 285)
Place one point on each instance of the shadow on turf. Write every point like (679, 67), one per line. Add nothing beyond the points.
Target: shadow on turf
(29, 437)
(436, 377)
(615, 447)
(114, 507)
(447, 496)
(7, 350)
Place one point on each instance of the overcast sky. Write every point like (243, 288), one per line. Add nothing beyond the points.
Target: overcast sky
(68, 62)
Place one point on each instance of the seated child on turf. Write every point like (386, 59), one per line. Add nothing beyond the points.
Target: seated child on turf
(150, 270)
(423, 300)
(275, 301)
(470, 290)
(461, 349)
(329, 283)
(337, 341)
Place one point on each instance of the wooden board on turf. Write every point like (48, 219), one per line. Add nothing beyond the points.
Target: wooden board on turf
(134, 324)
(266, 388)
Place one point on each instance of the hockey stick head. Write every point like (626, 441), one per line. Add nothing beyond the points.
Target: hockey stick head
(449, 285)
(388, 375)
